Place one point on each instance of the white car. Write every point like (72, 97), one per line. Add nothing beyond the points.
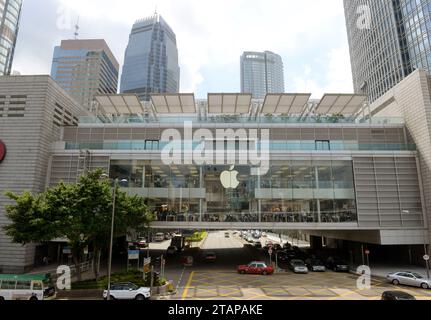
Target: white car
(409, 279)
(127, 291)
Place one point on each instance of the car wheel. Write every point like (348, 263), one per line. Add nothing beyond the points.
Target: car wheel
(33, 298)
(395, 282)
(425, 286)
(264, 273)
(140, 297)
(1, 299)
(242, 272)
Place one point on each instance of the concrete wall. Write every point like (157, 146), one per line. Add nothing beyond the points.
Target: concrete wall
(31, 109)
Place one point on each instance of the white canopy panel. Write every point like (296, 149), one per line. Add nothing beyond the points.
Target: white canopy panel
(174, 103)
(345, 104)
(120, 104)
(229, 103)
(285, 103)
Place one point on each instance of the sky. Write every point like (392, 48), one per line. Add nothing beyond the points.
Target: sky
(310, 36)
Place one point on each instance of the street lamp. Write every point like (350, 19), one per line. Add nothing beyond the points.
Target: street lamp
(105, 176)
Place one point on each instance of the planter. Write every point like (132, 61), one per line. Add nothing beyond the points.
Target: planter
(162, 290)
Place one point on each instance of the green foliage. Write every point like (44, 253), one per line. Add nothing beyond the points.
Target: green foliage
(197, 237)
(81, 213)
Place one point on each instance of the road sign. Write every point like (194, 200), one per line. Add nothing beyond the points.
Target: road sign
(133, 254)
(270, 250)
(426, 257)
(367, 252)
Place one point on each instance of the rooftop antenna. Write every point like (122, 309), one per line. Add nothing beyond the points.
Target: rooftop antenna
(77, 29)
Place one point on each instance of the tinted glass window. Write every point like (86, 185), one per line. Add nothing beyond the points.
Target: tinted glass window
(8, 284)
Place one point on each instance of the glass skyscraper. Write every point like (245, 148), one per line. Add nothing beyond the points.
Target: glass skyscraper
(391, 46)
(151, 59)
(10, 11)
(85, 68)
(261, 73)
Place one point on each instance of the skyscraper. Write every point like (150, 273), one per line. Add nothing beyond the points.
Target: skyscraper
(391, 45)
(85, 68)
(151, 59)
(261, 73)
(10, 11)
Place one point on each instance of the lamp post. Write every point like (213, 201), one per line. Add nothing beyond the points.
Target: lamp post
(105, 176)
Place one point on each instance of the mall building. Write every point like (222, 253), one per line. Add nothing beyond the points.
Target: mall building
(335, 168)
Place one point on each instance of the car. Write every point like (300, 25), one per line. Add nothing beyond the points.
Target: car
(337, 265)
(127, 291)
(315, 265)
(210, 257)
(159, 237)
(264, 235)
(168, 236)
(396, 295)
(257, 244)
(282, 256)
(171, 250)
(142, 244)
(298, 266)
(287, 246)
(277, 247)
(256, 267)
(408, 278)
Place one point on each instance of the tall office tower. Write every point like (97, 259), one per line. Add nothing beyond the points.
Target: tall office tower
(261, 73)
(151, 59)
(85, 68)
(389, 44)
(10, 11)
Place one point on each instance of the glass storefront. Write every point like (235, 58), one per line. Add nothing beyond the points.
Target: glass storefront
(293, 191)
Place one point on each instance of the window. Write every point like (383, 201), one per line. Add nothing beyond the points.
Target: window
(23, 285)
(37, 285)
(323, 145)
(8, 284)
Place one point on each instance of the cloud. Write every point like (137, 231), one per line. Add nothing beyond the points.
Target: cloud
(211, 36)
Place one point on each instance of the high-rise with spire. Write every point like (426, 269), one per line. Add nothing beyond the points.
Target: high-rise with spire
(151, 59)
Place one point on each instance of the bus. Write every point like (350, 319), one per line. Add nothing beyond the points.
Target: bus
(26, 287)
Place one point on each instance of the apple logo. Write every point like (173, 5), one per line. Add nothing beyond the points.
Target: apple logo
(229, 178)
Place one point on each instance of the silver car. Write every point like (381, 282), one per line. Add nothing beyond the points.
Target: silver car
(298, 266)
(409, 279)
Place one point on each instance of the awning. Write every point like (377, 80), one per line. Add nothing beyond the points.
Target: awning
(229, 103)
(344, 104)
(286, 103)
(120, 104)
(174, 103)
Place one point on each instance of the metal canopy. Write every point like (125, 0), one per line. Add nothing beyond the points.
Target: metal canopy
(120, 104)
(344, 104)
(174, 103)
(229, 103)
(286, 103)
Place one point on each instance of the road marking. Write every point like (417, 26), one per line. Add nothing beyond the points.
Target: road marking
(186, 289)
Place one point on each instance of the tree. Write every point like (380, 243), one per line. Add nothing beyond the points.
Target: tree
(80, 212)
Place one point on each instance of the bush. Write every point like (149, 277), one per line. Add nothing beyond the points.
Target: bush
(134, 276)
(197, 237)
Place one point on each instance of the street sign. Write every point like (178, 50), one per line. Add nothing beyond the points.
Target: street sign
(367, 252)
(133, 254)
(426, 257)
(270, 251)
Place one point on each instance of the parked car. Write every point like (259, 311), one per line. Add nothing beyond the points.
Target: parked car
(287, 246)
(168, 236)
(264, 235)
(282, 256)
(409, 279)
(257, 244)
(210, 257)
(171, 250)
(397, 295)
(127, 291)
(159, 237)
(315, 265)
(337, 264)
(256, 267)
(298, 266)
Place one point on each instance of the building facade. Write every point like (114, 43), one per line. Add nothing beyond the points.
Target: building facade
(388, 44)
(151, 59)
(10, 12)
(261, 73)
(85, 68)
(33, 111)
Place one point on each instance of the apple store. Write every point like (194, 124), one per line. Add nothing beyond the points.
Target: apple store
(292, 191)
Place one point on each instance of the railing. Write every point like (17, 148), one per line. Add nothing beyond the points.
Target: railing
(343, 216)
(241, 119)
(140, 145)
